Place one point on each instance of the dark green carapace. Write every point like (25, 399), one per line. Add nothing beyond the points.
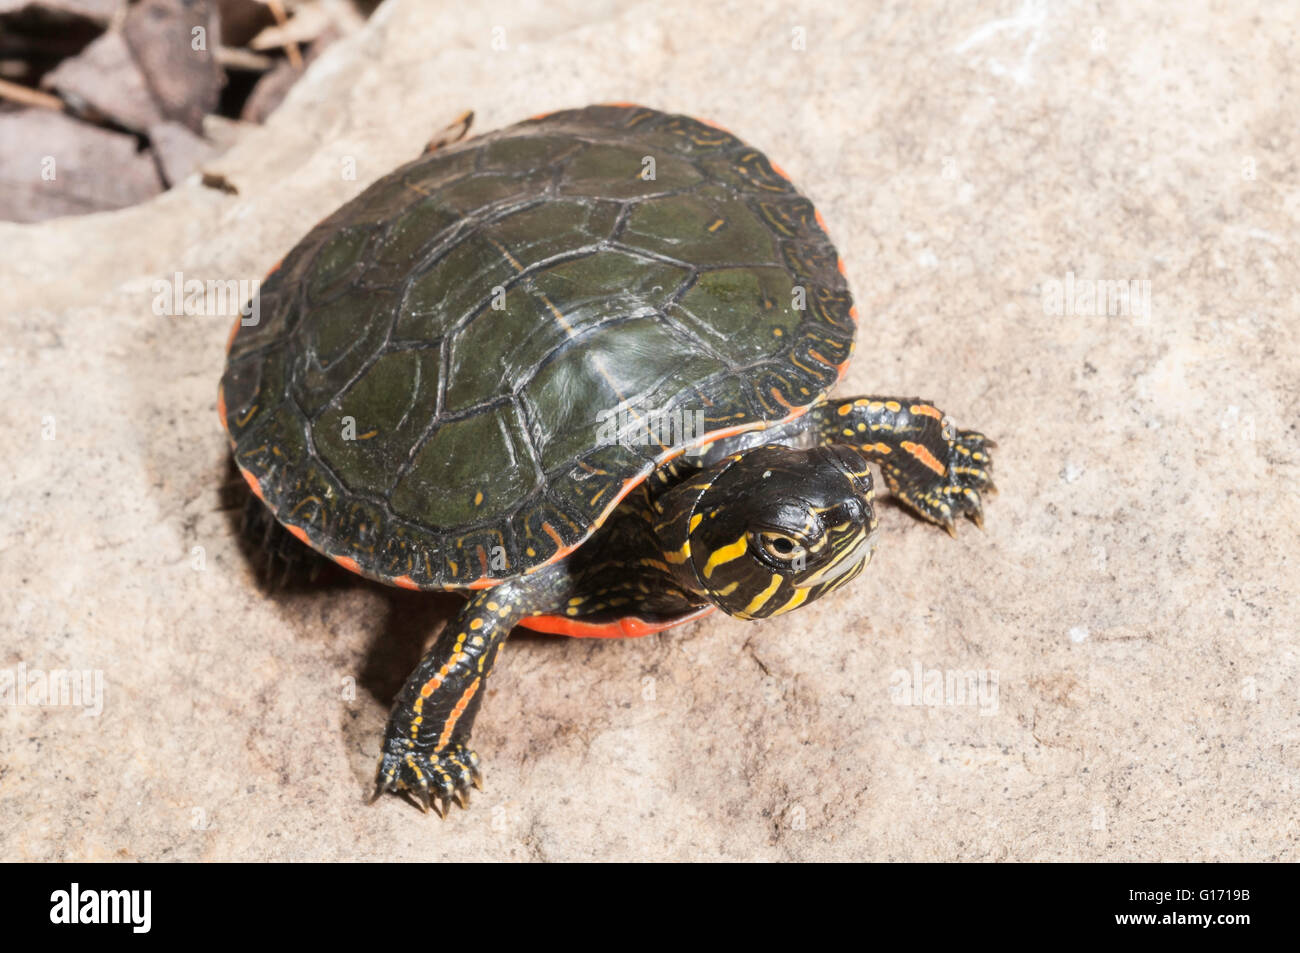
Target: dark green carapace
(578, 368)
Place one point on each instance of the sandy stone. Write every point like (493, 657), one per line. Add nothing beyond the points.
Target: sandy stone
(1134, 591)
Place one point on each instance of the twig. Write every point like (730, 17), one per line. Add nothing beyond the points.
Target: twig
(28, 96)
(237, 58)
(291, 47)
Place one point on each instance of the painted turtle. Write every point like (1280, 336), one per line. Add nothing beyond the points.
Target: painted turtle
(576, 368)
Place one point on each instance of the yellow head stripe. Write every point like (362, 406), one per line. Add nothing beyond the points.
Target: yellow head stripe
(795, 601)
(725, 554)
(760, 600)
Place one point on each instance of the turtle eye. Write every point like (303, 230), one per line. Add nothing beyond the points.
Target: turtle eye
(785, 550)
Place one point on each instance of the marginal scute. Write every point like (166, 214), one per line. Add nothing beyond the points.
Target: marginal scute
(264, 321)
(792, 217)
(253, 387)
(833, 307)
(688, 136)
(600, 481)
(272, 452)
(455, 376)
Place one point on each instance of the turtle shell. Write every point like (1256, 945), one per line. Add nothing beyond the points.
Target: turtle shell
(429, 389)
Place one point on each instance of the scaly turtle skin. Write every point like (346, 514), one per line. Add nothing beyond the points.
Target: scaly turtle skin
(578, 369)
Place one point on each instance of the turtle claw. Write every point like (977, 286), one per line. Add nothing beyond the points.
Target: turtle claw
(945, 497)
(969, 474)
(969, 464)
(430, 779)
(423, 799)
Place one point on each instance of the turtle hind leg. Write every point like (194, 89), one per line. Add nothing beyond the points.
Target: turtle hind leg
(285, 560)
(426, 749)
(933, 468)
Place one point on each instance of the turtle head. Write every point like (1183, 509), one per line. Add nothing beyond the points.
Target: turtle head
(773, 528)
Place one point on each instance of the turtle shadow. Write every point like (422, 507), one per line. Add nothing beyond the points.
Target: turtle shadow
(282, 565)
(410, 620)
(398, 635)
(411, 623)
(289, 571)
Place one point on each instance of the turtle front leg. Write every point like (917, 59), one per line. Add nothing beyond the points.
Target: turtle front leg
(935, 469)
(426, 745)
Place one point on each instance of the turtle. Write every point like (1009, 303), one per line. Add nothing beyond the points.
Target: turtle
(577, 370)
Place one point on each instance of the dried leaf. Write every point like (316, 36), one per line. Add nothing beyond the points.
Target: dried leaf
(173, 41)
(106, 79)
(52, 165)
